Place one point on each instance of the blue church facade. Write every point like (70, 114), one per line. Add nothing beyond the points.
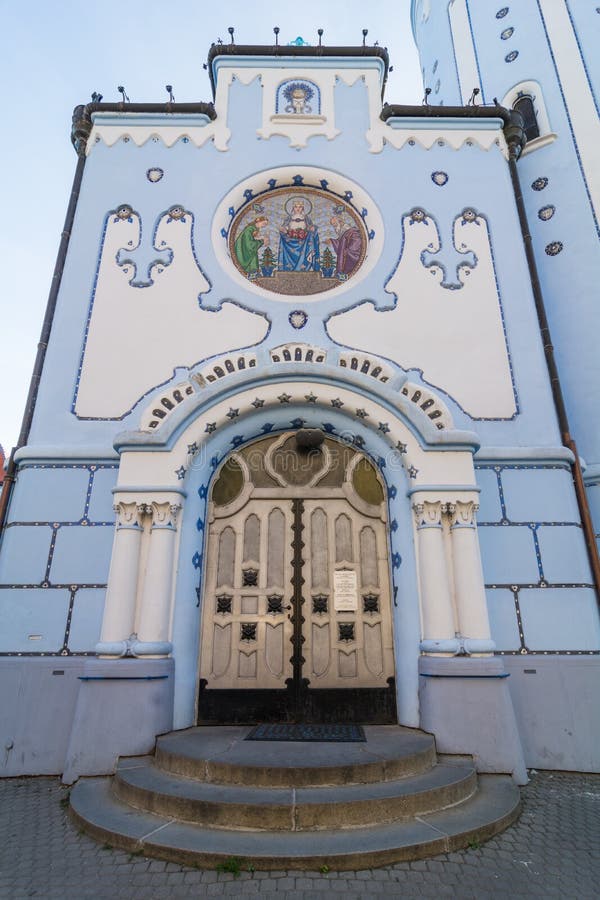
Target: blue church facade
(300, 262)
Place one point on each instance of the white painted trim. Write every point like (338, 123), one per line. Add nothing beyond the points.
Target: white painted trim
(576, 91)
(464, 51)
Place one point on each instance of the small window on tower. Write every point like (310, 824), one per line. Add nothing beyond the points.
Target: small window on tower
(524, 105)
(527, 98)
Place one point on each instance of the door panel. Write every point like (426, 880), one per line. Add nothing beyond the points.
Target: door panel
(296, 621)
(246, 629)
(360, 650)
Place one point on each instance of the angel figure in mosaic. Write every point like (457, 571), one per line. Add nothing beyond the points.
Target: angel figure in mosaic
(247, 245)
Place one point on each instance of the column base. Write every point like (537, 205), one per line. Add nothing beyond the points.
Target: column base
(122, 704)
(466, 704)
(133, 647)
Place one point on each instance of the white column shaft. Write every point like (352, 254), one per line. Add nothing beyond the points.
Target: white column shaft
(155, 608)
(473, 619)
(119, 608)
(437, 614)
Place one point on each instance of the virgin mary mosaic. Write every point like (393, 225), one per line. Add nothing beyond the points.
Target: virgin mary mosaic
(298, 241)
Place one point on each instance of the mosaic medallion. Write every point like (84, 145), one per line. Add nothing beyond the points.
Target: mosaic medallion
(439, 178)
(539, 184)
(154, 175)
(502, 12)
(298, 241)
(546, 212)
(554, 248)
(297, 318)
(510, 57)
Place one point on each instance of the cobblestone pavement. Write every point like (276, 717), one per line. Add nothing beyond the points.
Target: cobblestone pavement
(552, 851)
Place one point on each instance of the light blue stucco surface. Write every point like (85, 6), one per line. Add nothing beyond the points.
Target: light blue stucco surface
(37, 619)
(547, 626)
(508, 554)
(503, 619)
(86, 619)
(82, 554)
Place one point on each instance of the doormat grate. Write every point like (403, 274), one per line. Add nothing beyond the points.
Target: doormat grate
(295, 732)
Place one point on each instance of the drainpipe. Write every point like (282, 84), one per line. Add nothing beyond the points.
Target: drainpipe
(516, 140)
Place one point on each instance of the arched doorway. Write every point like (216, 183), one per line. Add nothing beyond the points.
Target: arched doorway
(296, 618)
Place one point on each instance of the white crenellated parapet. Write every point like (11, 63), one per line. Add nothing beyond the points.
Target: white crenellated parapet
(453, 603)
(138, 599)
(439, 629)
(155, 608)
(471, 605)
(119, 610)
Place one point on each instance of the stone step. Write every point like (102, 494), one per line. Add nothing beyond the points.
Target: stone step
(99, 812)
(141, 784)
(221, 755)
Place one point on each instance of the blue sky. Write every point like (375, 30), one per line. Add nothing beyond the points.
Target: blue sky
(53, 55)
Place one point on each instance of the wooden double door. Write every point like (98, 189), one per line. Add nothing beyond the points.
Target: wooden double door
(296, 620)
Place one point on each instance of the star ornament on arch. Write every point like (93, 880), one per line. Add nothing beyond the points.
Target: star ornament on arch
(284, 398)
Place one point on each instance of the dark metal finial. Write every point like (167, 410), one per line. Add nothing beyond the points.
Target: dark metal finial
(495, 99)
(471, 101)
(169, 90)
(231, 30)
(320, 33)
(96, 97)
(365, 32)
(276, 32)
(426, 97)
(121, 90)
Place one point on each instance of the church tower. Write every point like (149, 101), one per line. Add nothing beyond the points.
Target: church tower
(541, 58)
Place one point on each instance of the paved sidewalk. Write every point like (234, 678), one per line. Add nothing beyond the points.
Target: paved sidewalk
(552, 851)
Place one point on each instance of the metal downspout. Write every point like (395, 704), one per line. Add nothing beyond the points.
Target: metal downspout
(514, 147)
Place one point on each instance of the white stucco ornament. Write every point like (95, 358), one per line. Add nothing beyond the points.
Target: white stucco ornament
(145, 320)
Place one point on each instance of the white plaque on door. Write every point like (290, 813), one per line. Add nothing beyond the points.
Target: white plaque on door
(345, 591)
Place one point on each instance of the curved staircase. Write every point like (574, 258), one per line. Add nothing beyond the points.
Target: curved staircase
(207, 795)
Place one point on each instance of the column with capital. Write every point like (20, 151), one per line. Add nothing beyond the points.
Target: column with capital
(119, 610)
(155, 606)
(439, 628)
(471, 604)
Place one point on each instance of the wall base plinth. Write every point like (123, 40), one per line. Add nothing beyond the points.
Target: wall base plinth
(467, 705)
(121, 706)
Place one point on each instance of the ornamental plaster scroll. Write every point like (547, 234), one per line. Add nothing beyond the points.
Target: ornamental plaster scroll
(140, 128)
(164, 514)
(280, 402)
(397, 133)
(299, 128)
(145, 321)
(462, 514)
(447, 317)
(129, 515)
(369, 368)
(431, 405)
